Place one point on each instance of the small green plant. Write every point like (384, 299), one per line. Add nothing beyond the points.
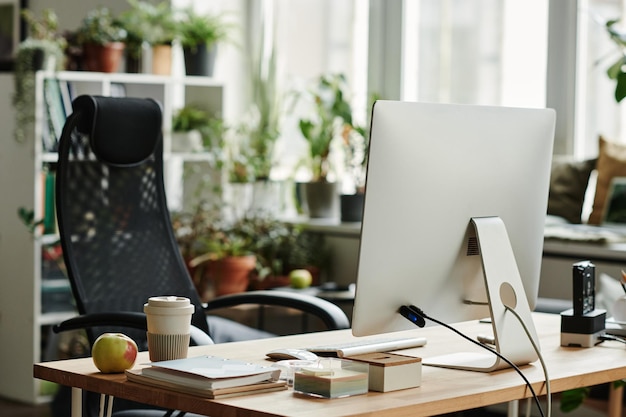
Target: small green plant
(28, 218)
(196, 29)
(152, 23)
(100, 27)
(136, 27)
(45, 27)
(188, 118)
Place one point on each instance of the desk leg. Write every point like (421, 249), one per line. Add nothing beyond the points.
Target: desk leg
(513, 408)
(615, 401)
(77, 402)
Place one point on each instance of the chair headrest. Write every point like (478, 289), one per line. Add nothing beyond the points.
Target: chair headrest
(122, 130)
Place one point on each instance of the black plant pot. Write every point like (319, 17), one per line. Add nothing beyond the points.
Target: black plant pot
(352, 207)
(200, 60)
(133, 64)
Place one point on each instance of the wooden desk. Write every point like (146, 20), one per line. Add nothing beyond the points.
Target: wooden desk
(442, 390)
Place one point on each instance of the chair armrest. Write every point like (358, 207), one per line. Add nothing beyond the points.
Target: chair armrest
(332, 316)
(129, 319)
(199, 337)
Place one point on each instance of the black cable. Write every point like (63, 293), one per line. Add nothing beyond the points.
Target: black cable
(417, 316)
(611, 337)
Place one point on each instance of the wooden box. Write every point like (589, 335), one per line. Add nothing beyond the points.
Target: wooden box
(391, 372)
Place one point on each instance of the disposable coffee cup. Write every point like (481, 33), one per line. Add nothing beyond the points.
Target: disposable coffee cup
(169, 323)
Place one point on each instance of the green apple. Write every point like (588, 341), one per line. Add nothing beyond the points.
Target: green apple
(300, 278)
(114, 352)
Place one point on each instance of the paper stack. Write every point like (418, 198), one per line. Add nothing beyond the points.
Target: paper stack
(209, 377)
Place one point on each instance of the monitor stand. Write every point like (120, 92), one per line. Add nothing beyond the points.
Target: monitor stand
(504, 288)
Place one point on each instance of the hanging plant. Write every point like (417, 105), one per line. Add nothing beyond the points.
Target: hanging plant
(32, 55)
(43, 49)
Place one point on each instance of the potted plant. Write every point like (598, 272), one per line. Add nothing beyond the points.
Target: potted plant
(137, 25)
(102, 39)
(219, 252)
(283, 247)
(356, 143)
(156, 24)
(333, 120)
(153, 24)
(187, 126)
(199, 36)
(256, 250)
(42, 49)
(261, 128)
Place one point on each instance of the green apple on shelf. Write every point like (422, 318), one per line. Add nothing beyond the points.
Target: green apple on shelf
(300, 278)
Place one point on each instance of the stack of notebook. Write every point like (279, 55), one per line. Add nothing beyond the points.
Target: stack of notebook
(209, 377)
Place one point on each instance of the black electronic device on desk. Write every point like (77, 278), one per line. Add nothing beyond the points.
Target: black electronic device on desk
(583, 325)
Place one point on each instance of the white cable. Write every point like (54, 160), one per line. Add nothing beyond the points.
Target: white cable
(543, 364)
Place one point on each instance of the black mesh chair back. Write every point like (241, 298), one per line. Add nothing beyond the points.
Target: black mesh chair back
(115, 229)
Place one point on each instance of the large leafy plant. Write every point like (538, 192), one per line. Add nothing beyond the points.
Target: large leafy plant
(333, 118)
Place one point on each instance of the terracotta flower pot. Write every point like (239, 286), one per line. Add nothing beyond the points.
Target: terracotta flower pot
(231, 275)
(103, 58)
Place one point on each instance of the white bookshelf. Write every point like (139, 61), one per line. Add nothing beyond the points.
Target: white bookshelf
(22, 319)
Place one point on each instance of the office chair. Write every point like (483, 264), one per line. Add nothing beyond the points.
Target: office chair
(117, 239)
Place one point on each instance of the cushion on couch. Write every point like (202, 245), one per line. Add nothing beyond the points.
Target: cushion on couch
(568, 184)
(611, 163)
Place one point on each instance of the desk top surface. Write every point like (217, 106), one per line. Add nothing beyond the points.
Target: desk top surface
(442, 390)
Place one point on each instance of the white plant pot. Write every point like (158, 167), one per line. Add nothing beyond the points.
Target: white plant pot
(187, 141)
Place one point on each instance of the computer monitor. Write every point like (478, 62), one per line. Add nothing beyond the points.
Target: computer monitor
(448, 187)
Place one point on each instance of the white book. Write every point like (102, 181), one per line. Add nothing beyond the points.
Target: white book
(136, 375)
(210, 372)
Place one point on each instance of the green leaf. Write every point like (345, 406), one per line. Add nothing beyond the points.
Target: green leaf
(620, 87)
(572, 399)
(615, 69)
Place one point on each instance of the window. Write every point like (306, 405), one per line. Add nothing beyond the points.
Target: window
(475, 51)
(597, 112)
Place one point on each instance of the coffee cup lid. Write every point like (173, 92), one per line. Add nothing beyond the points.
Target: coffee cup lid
(168, 301)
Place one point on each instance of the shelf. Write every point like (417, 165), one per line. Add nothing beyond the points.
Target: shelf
(50, 157)
(28, 300)
(104, 77)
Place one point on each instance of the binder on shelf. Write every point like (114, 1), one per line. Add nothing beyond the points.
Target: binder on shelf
(67, 95)
(49, 212)
(55, 112)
